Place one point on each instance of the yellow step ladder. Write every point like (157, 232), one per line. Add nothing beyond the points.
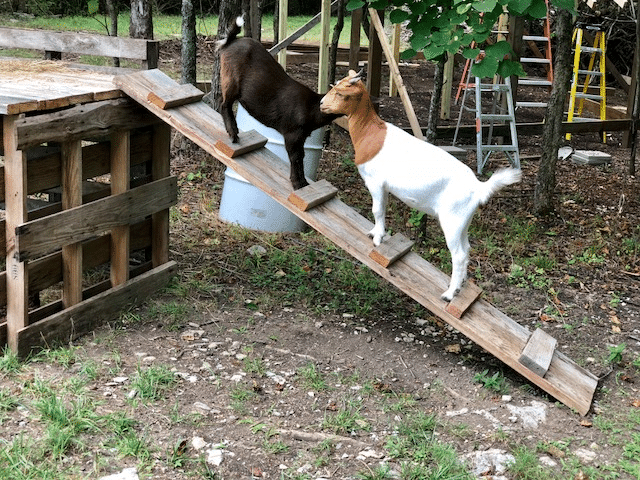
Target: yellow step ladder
(582, 78)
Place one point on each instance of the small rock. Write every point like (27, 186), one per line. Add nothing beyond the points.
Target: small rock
(506, 398)
(198, 443)
(191, 335)
(120, 379)
(126, 474)
(257, 251)
(214, 456)
(585, 455)
(548, 461)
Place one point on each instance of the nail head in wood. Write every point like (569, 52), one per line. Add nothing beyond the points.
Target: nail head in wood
(247, 142)
(313, 195)
(391, 250)
(538, 352)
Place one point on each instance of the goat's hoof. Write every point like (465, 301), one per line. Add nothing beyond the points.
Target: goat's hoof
(448, 296)
(298, 186)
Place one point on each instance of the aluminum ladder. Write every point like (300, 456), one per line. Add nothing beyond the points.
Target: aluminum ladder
(487, 120)
(582, 78)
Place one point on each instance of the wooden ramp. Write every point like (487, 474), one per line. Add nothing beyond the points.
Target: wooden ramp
(532, 355)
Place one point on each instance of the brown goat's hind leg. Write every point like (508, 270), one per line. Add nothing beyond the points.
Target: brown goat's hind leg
(226, 110)
(295, 150)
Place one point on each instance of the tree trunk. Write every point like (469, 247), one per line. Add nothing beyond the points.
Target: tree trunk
(188, 43)
(141, 25)
(229, 11)
(434, 105)
(112, 11)
(543, 201)
(337, 30)
(635, 113)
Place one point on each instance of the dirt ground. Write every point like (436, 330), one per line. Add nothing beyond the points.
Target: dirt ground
(589, 301)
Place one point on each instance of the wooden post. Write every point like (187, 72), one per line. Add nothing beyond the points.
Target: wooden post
(354, 49)
(71, 163)
(160, 169)
(374, 59)
(447, 82)
(15, 178)
(395, 49)
(378, 32)
(282, 30)
(516, 29)
(120, 171)
(325, 41)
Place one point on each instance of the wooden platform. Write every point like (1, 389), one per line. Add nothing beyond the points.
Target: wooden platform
(481, 322)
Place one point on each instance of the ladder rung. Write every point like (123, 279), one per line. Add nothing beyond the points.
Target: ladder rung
(535, 38)
(590, 96)
(590, 72)
(545, 61)
(496, 117)
(535, 82)
(591, 50)
(531, 104)
(500, 148)
(494, 87)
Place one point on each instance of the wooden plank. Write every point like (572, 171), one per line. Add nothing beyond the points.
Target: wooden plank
(538, 352)
(395, 73)
(175, 97)
(45, 235)
(469, 293)
(96, 119)
(391, 249)
(15, 164)
(247, 142)
(71, 197)
(75, 42)
(86, 315)
(120, 174)
(482, 323)
(47, 271)
(313, 194)
(160, 168)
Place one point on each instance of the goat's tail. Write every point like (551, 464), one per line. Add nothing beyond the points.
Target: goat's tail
(498, 180)
(231, 34)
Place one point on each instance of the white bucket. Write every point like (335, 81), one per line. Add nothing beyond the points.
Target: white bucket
(244, 204)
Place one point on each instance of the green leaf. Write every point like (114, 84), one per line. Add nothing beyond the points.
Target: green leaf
(379, 4)
(92, 7)
(355, 4)
(418, 42)
(408, 54)
(506, 68)
(519, 6)
(463, 8)
(433, 51)
(498, 50)
(487, 67)
(470, 53)
(537, 9)
(398, 16)
(485, 5)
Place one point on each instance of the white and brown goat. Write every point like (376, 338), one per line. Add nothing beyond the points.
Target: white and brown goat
(423, 176)
(250, 75)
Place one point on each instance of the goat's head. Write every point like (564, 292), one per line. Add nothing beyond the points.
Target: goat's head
(345, 95)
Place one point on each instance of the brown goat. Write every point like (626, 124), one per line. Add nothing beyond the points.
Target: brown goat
(249, 74)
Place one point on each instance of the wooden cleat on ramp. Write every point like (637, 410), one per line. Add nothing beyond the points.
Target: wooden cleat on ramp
(538, 352)
(176, 97)
(247, 142)
(312, 195)
(468, 294)
(391, 250)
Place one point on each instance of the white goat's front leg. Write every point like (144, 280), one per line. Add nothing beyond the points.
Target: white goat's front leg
(379, 197)
(458, 244)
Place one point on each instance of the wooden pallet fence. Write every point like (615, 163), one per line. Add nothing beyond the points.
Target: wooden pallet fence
(74, 208)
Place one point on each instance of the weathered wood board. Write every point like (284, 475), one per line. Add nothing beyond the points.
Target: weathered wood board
(538, 353)
(391, 249)
(313, 194)
(482, 323)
